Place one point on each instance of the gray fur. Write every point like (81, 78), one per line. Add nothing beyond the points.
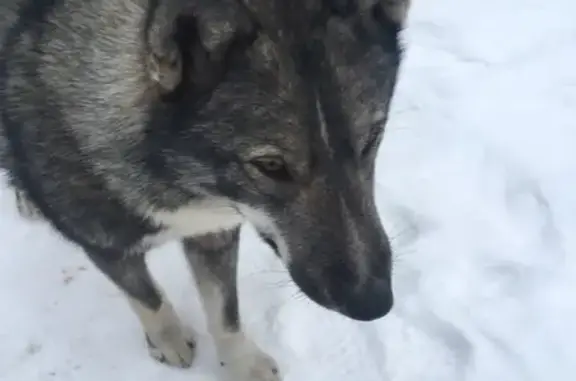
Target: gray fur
(126, 123)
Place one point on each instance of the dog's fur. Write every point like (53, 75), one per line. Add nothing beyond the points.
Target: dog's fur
(125, 123)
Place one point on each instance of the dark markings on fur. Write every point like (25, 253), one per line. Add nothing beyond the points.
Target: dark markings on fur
(214, 258)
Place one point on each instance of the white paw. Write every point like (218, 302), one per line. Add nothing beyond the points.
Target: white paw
(167, 340)
(172, 348)
(242, 360)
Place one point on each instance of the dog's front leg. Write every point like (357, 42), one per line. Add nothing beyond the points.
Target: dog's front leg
(213, 259)
(168, 342)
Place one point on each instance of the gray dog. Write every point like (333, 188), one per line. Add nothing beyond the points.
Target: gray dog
(127, 123)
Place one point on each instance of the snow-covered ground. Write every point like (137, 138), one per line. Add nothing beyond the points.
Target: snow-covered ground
(477, 182)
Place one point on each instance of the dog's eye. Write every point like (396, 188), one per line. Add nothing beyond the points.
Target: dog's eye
(273, 167)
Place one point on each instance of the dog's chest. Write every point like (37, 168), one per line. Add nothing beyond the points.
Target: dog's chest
(195, 219)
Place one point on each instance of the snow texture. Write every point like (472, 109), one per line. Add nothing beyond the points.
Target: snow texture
(476, 182)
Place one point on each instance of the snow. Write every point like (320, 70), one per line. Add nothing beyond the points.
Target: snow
(474, 182)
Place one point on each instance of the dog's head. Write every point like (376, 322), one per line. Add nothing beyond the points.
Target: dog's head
(291, 129)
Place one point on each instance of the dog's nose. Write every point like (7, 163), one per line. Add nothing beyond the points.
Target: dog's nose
(373, 301)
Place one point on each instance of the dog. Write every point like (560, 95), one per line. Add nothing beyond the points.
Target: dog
(129, 123)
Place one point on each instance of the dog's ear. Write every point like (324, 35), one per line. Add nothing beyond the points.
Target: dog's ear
(189, 41)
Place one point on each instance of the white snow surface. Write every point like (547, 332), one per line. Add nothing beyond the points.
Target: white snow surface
(476, 183)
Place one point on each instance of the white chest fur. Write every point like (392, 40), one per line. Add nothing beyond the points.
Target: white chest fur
(195, 219)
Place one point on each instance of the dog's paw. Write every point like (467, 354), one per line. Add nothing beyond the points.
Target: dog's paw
(244, 361)
(172, 348)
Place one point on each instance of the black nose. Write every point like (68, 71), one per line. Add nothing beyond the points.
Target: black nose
(369, 303)
(341, 293)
